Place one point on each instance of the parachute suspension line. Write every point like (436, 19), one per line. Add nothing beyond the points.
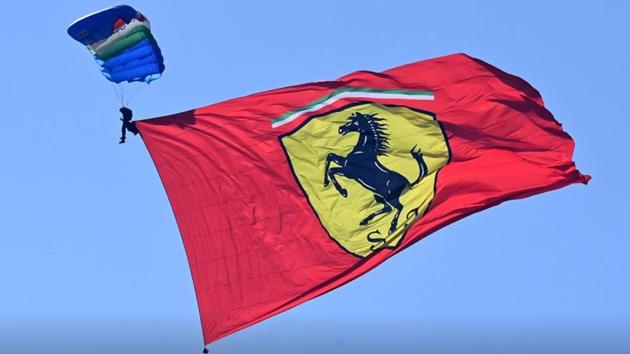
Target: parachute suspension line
(119, 95)
(121, 88)
(133, 94)
(118, 92)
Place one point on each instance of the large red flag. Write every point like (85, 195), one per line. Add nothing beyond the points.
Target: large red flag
(285, 195)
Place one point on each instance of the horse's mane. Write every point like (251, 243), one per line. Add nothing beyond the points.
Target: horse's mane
(378, 129)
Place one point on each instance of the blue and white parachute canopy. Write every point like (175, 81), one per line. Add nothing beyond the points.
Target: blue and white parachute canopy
(120, 39)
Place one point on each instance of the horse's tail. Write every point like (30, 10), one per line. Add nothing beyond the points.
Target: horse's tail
(424, 170)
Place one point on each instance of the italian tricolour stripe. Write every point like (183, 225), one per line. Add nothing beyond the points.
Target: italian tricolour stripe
(351, 93)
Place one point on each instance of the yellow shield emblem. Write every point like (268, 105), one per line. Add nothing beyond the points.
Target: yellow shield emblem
(368, 170)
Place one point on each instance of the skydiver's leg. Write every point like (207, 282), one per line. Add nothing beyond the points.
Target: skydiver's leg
(131, 126)
(123, 132)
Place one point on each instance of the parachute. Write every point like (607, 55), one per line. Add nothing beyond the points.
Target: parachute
(121, 41)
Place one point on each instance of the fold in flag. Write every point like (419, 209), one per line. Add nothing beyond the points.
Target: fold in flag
(285, 195)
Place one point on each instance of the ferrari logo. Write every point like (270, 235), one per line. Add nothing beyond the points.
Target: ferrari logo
(368, 170)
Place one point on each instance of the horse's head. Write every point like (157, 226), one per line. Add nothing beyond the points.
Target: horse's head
(357, 122)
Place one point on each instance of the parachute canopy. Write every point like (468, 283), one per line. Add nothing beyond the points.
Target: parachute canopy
(120, 39)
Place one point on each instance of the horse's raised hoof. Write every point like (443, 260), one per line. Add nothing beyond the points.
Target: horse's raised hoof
(326, 182)
(343, 192)
(364, 221)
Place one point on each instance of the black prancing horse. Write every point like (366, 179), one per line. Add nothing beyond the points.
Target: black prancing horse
(362, 165)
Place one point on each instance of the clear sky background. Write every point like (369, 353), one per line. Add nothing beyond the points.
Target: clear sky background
(91, 260)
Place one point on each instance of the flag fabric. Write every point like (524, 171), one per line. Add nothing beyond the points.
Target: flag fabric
(284, 195)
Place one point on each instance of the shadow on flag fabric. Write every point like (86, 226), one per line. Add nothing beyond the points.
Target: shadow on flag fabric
(285, 195)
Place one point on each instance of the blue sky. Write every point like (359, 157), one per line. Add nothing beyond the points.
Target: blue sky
(91, 259)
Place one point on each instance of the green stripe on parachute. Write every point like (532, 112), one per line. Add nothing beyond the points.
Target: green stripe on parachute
(136, 35)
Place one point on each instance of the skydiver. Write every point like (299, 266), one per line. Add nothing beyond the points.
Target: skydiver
(127, 124)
